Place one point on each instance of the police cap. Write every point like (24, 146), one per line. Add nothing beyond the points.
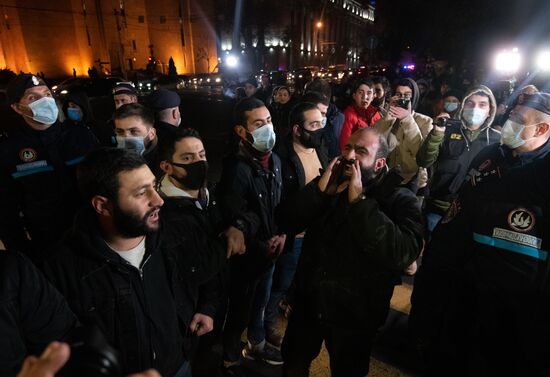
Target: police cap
(163, 99)
(538, 101)
(19, 84)
(124, 88)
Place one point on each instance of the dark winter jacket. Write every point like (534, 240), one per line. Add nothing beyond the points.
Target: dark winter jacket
(144, 313)
(37, 178)
(32, 312)
(353, 254)
(248, 195)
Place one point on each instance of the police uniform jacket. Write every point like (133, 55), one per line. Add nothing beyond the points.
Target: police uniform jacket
(37, 178)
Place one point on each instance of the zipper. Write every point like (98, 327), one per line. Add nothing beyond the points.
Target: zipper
(143, 265)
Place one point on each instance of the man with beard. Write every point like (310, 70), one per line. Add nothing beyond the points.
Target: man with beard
(248, 193)
(134, 130)
(302, 157)
(116, 273)
(362, 230)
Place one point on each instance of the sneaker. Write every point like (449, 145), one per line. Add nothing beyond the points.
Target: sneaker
(268, 354)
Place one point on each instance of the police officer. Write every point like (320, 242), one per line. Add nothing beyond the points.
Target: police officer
(165, 103)
(37, 181)
(490, 284)
(124, 93)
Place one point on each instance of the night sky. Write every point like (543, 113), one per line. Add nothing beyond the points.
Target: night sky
(459, 29)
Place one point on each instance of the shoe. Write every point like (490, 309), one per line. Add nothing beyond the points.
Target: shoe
(234, 371)
(274, 338)
(267, 353)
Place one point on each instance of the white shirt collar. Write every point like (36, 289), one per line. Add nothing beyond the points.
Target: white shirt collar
(171, 191)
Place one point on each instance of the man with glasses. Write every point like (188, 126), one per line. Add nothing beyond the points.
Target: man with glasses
(38, 195)
(404, 128)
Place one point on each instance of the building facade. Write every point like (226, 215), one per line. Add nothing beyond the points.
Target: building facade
(115, 36)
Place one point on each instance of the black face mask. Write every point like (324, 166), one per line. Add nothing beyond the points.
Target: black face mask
(196, 174)
(311, 139)
(377, 102)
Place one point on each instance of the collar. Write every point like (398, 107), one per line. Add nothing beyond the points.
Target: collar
(172, 191)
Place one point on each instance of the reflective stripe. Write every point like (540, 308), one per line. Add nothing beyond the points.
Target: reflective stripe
(511, 246)
(74, 161)
(39, 169)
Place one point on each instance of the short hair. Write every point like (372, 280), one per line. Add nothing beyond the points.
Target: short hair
(357, 83)
(383, 149)
(135, 110)
(99, 173)
(297, 113)
(404, 82)
(244, 105)
(167, 143)
(320, 86)
(316, 98)
(382, 81)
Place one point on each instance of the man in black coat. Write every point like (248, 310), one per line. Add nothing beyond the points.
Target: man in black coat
(116, 271)
(248, 193)
(362, 230)
(37, 170)
(32, 312)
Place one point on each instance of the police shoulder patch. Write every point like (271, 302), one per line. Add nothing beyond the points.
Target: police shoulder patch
(28, 155)
(521, 220)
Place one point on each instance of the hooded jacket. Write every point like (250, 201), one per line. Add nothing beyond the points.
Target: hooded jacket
(451, 152)
(405, 136)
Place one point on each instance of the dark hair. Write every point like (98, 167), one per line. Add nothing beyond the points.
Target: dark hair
(244, 105)
(167, 143)
(404, 82)
(297, 113)
(382, 81)
(320, 86)
(284, 87)
(357, 83)
(383, 149)
(316, 98)
(135, 110)
(98, 173)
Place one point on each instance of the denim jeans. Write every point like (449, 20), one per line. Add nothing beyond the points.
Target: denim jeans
(432, 219)
(184, 371)
(285, 269)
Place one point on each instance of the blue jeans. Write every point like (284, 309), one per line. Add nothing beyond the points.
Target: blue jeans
(184, 371)
(432, 219)
(285, 269)
(256, 327)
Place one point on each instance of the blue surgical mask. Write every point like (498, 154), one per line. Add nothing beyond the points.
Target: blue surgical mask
(511, 134)
(74, 114)
(44, 110)
(324, 122)
(134, 143)
(451, 106)
(264, 138)
(474, 116)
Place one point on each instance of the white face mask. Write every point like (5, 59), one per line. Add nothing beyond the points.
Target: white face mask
(264, 138)
(44, 110)
(451, 106)
(474, 116)
(511, 134)
(134, 143)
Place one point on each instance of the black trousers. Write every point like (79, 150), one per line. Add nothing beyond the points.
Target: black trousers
(349, 349)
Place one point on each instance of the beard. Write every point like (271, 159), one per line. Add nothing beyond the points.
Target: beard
(130, 224)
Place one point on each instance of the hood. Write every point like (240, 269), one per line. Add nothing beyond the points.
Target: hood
(493, 104)
(81, 99)
(416, 94)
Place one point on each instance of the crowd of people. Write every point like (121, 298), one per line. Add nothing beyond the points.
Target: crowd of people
(319, 212)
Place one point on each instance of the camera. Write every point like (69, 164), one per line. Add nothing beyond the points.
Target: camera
(91, 355)
(403, 103)
(448, 122)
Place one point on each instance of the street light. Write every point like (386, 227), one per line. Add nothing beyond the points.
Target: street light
(232, 61)
(319, 24)
(543, 61)
(508, 62)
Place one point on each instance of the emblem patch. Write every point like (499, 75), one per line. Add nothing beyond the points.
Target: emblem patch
(456, 137)
(28, 155)
(484, 165)
(521, 220)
